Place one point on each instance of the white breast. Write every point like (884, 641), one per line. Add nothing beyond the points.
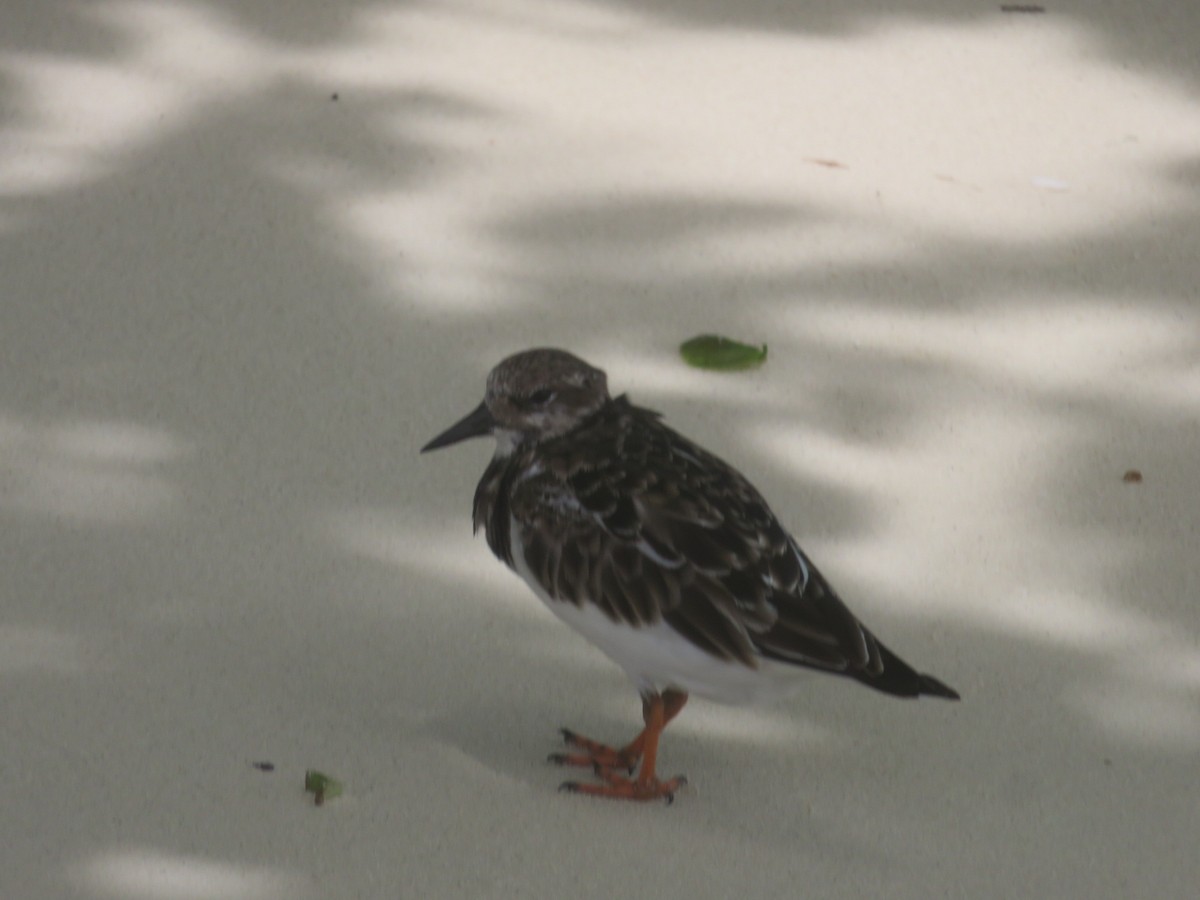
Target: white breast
(656, 656)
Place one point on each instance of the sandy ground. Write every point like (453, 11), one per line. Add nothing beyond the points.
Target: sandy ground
(254, 255)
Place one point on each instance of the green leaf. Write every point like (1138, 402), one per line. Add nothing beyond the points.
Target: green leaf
(321, 786)
(711, 351)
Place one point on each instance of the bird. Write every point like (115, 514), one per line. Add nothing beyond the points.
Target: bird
(658, 552)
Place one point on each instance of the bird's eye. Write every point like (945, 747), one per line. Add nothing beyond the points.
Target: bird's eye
(541, 397)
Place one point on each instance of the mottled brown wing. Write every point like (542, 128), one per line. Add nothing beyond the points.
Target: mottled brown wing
(648, 526)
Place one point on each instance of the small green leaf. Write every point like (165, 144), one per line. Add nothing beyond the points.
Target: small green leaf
(321, 786)
(710, 351)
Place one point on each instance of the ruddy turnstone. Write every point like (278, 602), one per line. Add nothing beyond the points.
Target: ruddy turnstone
(659, 553)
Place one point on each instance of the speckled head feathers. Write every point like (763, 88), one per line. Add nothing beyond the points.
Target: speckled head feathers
(542, 393)
(532, 396)
(542, 366)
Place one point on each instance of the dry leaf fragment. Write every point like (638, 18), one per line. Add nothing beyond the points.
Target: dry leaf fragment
(827, 163)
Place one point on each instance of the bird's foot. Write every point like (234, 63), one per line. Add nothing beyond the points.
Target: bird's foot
(590, 754)
(618, 787)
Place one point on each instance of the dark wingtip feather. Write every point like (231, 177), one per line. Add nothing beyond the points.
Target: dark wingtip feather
(900, 679)
(930, 686)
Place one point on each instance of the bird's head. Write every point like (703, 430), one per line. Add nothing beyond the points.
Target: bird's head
(531, 397)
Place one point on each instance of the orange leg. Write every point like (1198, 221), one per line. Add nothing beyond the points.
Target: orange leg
(657, 711)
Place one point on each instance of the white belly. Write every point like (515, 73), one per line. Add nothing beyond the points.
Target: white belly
(656, 656)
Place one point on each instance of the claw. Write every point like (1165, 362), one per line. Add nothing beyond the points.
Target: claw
(678, 781)
(590, 754)
(615, 767)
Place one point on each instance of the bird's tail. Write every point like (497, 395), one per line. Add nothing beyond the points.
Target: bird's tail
(930, 686)
(900, 679)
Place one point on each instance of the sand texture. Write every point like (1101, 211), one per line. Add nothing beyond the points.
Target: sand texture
(254, 255)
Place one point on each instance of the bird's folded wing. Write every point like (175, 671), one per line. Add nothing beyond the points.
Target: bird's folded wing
(704, 554)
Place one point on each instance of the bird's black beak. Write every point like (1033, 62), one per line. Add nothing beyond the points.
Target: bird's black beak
(477, 423)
